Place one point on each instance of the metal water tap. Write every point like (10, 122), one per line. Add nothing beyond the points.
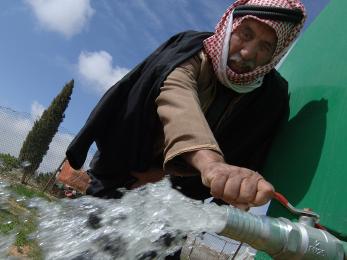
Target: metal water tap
(283, 239)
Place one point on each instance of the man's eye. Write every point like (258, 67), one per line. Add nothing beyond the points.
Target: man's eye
(266, 48)
(246, 35)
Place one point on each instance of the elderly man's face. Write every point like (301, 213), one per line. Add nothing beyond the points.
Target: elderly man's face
(252, 44)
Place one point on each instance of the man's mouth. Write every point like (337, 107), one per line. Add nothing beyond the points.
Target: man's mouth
(238, 67)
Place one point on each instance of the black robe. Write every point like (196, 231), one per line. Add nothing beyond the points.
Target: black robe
(124, 120)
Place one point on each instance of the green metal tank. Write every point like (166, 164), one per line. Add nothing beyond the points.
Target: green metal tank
(308, 161)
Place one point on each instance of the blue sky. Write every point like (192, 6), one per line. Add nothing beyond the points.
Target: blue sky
(45, 43)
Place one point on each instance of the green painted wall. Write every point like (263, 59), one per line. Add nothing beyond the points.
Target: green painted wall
(308, 163)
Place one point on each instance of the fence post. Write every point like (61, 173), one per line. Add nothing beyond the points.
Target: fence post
(53, 176)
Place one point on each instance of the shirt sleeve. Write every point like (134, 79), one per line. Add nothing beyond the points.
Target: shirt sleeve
(179, 109)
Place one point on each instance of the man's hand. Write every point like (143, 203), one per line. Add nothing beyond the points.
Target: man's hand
(238, 186)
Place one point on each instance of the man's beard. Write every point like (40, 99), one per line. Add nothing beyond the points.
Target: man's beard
(238, 65)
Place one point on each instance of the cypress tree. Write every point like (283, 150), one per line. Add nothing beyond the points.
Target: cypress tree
(36, 144)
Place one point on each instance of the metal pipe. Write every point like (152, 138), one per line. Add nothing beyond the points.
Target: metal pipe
(283, 239)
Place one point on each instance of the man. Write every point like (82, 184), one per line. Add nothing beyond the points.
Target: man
(204, 107)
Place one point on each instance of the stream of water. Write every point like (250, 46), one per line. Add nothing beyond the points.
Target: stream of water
(149, 222)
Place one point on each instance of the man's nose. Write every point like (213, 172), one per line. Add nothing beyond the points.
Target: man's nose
(249, 51)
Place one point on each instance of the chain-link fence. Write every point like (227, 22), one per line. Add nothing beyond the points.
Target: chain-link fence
(14, 127)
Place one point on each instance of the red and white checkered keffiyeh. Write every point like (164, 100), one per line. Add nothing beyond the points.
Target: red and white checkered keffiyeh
(217, 46)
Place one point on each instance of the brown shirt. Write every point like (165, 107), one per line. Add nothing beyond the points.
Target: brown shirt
(185, 96)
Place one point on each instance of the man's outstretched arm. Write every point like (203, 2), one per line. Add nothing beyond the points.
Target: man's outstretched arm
(238, 186)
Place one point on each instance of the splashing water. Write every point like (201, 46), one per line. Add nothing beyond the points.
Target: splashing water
(5, 240)
(148, 222)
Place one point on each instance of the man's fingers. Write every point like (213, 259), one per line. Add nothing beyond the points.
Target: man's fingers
(237, 185)
(248, 189)
(242, 188)
(244, 207)
(232, 189)
(265, 192)
(217, 186)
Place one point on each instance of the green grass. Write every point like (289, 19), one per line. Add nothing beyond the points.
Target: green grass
(6, 222)
(22, 238)
(15, 218)
(18, 220)
(23, 190)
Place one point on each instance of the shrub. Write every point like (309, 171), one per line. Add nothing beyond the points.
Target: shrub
(43, 178)
(8, 162)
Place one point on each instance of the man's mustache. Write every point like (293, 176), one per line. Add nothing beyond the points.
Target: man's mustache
(237, 60)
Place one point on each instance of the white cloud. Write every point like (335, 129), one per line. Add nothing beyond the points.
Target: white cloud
(14, 128)
(36, 110)
(97, 70)
(147, 9)
(67, 17)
